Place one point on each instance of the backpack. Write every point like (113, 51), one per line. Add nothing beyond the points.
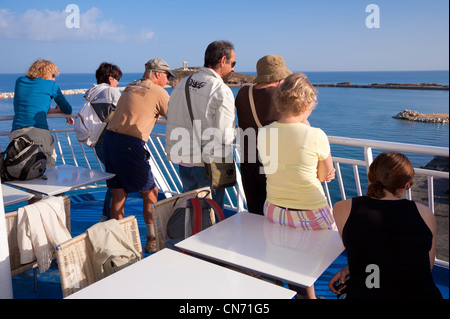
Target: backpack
(24, 160)
(190, 216)
(88, 126)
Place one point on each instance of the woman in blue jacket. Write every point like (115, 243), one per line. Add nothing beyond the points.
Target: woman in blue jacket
(33, 95)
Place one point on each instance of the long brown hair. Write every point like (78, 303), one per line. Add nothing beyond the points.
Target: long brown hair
(389, 171)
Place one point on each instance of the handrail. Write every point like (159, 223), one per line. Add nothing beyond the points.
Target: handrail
(169, 182)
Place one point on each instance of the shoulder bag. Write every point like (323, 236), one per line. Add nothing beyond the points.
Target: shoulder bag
(221, 174)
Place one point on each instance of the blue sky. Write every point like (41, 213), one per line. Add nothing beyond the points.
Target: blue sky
(320, 35)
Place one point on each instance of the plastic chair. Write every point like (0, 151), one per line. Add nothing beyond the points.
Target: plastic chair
(75, 258)
(162, 210)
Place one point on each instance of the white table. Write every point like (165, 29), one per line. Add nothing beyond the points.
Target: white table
(254, 243)
(13, 195)
(168, 274)
(61, 179)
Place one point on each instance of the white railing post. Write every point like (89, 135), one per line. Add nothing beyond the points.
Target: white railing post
(357, 180)
(430, 193)
(368, 157)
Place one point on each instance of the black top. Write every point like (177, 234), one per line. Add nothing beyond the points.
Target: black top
(388, 240)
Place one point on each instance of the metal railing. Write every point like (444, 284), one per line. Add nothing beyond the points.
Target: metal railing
(169, 181)
(72, 152)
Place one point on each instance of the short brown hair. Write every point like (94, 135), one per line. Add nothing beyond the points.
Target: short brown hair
(295, 95)
(41, 69)
(105, 70)
(215, 51)
(389, 171)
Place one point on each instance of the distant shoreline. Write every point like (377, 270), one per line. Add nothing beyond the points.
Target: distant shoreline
(419, 86)
(237, 82)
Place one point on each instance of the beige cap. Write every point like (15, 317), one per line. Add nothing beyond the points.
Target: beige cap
(158, 65)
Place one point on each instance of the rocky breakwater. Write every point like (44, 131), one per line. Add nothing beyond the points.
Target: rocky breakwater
(10, 95)
(236, 79)
(403, 86)
(419, 117)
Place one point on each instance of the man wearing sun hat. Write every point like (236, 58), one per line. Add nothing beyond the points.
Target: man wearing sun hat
(271, 70)
(125, 142)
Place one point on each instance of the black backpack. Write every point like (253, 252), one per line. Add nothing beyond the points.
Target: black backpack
(24, 160)
(190, 216)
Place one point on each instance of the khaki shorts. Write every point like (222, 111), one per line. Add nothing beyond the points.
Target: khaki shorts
(41, 137)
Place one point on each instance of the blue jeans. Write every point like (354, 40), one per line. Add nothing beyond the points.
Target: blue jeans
(194, 177)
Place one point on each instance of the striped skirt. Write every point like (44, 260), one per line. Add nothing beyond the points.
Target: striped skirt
(316, 219)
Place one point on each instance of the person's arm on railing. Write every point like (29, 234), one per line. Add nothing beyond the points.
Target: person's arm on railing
(69, 120)
(325, 169)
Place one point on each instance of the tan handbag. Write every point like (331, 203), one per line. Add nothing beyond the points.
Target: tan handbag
(220, 173)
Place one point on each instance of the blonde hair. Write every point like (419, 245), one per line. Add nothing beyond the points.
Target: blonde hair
(295, 95)
(42, 69)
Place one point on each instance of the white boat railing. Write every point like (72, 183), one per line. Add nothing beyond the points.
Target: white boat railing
(70, 151)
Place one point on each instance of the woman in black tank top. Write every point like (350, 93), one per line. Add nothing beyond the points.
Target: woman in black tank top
(390, 241)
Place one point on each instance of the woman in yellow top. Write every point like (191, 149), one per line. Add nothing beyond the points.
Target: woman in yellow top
(296, 159)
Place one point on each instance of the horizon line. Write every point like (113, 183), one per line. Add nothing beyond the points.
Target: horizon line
(303, 71)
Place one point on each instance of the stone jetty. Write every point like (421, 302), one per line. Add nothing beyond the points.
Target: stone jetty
(10, 95)
(402, 86)
(419, 117)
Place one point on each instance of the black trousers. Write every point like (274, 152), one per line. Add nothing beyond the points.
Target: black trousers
(254, 184)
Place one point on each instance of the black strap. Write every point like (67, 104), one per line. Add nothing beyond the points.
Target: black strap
(188, 99)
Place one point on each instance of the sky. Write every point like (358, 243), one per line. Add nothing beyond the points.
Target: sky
(319, 35)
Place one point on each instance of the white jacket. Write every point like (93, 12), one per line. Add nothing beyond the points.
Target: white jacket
(213, 110)
(40, 228)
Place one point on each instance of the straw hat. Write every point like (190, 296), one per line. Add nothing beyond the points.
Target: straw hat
(271, 68)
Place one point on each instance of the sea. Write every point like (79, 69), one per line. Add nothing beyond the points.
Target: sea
(362, 113)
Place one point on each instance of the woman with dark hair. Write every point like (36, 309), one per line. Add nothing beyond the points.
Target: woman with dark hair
(390, 241)
(104, 97)
(109, 74)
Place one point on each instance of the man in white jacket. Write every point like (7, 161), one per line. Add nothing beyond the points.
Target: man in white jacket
(213, 114)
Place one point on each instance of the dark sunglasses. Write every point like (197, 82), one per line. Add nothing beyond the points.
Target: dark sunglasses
(233, 64)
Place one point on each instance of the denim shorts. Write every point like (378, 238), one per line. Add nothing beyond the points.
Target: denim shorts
(128, 158)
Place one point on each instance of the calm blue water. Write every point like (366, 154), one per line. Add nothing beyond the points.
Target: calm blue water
(349, 112)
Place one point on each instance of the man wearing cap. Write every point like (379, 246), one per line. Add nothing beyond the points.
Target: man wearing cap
(271, 70)
(212, 109)
(125, 142)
